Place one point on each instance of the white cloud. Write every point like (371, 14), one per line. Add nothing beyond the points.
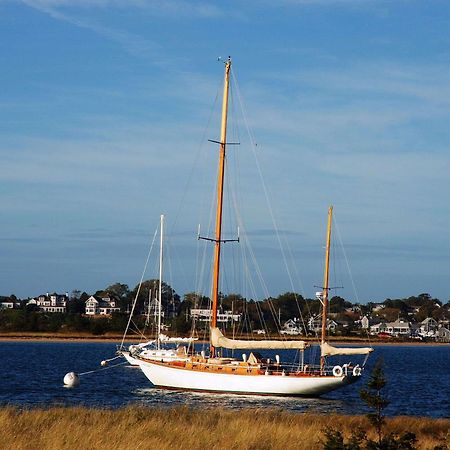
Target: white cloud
(158, 8)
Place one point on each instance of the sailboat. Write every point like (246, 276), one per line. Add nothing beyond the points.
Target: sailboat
(253, 374)
(162, 348)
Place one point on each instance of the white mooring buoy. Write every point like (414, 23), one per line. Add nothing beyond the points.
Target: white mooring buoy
(71, 379)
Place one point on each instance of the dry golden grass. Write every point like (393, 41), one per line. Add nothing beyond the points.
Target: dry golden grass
(183, 428)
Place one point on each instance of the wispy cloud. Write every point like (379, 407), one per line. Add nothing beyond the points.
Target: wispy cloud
(130, 42)
(175, 8)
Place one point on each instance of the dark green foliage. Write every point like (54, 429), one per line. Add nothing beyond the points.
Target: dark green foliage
(169, 298)
(76, 305)
(77, 322)
(339, 304)
(335, 440)
(373, 398)
(118, 322)
(99, 326)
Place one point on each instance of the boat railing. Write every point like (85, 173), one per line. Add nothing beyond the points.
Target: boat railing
(311, 369)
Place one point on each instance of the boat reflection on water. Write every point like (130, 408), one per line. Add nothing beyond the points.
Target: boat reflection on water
(150, 396)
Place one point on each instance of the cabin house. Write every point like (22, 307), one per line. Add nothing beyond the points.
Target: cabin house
(51, 303)
(103, 306)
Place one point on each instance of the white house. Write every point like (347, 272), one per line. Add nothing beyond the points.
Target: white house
(378, 307)
(204, 315)
(378, 328)
(399, 328)
(428, 327)
(364, 323)
(291, 327)
(52, 303)
(101, 306)
(6, 305)
(315, 324)
(443, 334)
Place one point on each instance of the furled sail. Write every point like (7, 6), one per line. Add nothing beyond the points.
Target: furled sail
(219, 340)
(329, 350)
(176, 340)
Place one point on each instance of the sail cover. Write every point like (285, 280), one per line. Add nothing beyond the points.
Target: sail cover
(329, 350)
(219, 340)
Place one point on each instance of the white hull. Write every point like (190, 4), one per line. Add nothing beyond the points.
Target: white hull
(132, 361)
(162, 375)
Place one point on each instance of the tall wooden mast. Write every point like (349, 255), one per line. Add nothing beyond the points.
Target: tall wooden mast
(326, 285)
(221, 173)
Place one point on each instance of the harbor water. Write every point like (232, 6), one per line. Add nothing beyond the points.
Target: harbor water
(418, 382)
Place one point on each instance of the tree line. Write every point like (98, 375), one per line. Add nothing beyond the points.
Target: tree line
(270, 313)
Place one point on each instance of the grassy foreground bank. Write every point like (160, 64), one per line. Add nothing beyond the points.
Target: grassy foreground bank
(183, 428)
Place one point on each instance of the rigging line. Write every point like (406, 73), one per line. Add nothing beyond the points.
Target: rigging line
(338, 233)
(302, 290)
(102, 368)
(261, 317)
(139, 288)
(200, 150)
(261, 280)
(201, 145)
(266, 194)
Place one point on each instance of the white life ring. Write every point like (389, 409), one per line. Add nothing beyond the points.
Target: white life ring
(337, 371)
(357, 371)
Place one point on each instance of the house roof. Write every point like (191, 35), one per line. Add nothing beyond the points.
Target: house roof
(427, 320)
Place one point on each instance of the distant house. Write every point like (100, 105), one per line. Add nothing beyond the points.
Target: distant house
(291, 327)
(399, 328)
(103, 306)
(7, 303)
(443, 334)
(378, 328)
(364, 323)
(204, 315)
(378, 307)
(151, 308)
(428, 327)
(52, 303)
(315, 324)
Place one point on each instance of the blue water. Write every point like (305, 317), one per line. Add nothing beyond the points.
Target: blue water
(32, 375)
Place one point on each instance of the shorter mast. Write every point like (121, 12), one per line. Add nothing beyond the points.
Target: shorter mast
(160, 279)
(326, 287)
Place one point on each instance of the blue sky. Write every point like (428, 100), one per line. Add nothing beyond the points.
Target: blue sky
(103, 109)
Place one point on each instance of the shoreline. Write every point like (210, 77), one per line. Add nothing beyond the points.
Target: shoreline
(116, 338)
